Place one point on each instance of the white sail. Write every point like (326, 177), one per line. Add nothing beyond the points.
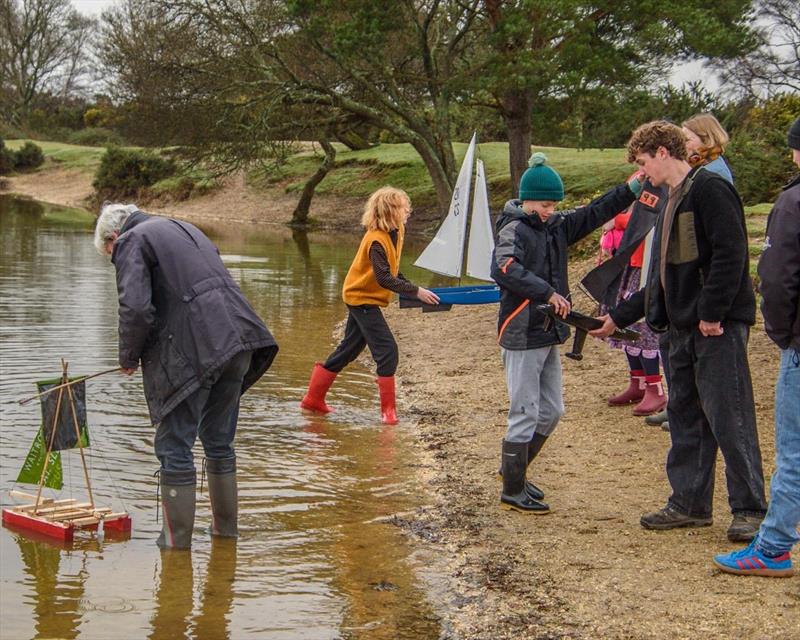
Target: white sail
(481, 237)
(445, 252)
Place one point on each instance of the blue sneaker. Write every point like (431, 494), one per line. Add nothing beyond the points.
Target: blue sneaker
(750, 561)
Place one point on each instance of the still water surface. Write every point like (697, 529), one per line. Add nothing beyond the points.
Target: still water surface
(315, 558)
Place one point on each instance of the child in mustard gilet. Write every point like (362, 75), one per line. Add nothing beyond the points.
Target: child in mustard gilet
(373, 276)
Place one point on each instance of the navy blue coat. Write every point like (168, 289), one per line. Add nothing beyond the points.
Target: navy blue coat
(181, 314)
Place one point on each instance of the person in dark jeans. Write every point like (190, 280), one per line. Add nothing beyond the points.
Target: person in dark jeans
(699, 289)
(200, 345)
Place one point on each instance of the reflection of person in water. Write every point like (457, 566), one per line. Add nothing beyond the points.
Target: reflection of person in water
(57, 596)
(175, 595)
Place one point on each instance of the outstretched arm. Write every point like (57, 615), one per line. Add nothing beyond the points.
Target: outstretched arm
(583, 220)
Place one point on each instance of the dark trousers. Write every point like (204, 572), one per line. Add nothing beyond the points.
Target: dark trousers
(663, 349)
(711, 407)
(366, 326)
(210, 412)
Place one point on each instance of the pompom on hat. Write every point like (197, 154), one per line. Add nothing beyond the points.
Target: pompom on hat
(793, 139)
(540, 181)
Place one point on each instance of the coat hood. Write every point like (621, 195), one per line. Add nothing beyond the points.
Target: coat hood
(513, 211)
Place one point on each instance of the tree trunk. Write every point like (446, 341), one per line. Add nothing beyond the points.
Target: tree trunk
(442, 182)
(516, 111)
(300, 213)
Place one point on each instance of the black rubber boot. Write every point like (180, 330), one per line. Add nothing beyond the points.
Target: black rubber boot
(224, 496)
(514, 496)
(534, 447)
(177, 508)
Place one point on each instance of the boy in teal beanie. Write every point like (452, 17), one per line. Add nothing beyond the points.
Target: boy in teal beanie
(530, 265)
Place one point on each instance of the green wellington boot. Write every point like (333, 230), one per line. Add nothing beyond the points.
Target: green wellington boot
(178, 494)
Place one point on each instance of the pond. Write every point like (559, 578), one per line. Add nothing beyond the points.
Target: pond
(316, 557)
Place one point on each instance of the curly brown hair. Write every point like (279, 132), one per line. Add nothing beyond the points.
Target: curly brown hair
(659, 133)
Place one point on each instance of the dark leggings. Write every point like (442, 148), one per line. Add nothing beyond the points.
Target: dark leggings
(640, 363)
(366, 326)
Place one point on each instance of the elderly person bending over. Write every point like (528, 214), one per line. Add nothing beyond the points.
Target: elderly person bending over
(200, 344)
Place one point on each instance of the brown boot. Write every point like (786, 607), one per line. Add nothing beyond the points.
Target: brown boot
(634, 392)
(654, 399)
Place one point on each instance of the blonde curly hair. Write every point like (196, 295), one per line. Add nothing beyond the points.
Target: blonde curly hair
(386, 209)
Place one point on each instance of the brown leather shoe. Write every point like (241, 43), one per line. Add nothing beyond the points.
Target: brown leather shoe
(671, 518)
(744, 528)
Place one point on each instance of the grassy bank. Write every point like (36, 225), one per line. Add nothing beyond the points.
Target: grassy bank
(358, 173)
(586, 173)
(68, 156)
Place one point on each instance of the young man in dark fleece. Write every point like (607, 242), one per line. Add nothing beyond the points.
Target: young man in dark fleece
(699, 289)
(530, 265)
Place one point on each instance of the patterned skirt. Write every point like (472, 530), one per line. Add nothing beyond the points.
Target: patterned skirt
(647, 345)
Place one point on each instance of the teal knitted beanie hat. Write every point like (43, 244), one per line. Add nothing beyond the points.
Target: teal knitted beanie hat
(540, 181)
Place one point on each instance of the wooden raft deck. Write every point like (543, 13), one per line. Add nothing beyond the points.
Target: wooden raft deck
(60, 518)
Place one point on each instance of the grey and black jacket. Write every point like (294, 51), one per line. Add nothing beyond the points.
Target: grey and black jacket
(779, 270)
(181, 314)
(530, 263)
(707, 272)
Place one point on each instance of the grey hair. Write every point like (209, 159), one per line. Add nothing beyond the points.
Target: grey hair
(110, 221)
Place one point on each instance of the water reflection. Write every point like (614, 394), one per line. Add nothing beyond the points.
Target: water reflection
(315, 558)
(53, 593)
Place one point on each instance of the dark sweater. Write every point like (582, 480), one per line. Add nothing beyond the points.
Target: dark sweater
(530, 263)
(707, 268)
(383, 274)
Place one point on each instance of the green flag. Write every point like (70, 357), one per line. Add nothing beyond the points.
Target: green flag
(58, 428)
(31, 471)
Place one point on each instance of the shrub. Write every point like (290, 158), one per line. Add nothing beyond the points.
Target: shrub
(94, 137)
(6, 159)
(758, 154)
(29, 156)
(125, 172)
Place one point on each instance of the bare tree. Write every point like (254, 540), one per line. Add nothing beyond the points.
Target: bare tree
(774, 67)
(42, 49)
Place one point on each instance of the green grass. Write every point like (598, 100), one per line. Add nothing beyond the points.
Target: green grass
(756, 221)
(69, 156)
(762, 209)
(586, 173)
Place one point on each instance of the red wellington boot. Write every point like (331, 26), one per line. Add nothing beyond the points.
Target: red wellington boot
(388, 400)
(321, 381)
(654, 399)
(634, 392)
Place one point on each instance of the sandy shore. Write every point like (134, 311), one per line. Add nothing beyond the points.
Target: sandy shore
(236, 202)
(588, 569)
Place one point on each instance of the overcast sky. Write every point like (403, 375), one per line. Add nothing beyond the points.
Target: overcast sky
(684, 73)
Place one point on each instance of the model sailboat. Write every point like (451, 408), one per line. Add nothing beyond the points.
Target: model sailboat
(64, 426)
(445, 253)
